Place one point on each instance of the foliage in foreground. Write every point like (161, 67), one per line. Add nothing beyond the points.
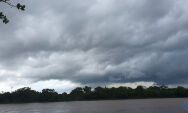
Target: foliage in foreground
(26, 94)
(18, 6)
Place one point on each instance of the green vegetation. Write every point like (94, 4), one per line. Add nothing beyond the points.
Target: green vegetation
(26, 94)
(19, 6)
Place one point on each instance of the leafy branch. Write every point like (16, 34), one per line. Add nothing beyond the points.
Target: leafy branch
(8, 2)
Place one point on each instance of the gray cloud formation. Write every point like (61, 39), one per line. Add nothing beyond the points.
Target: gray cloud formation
(97, 41)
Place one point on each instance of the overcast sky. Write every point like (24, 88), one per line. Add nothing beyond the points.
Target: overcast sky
(63, 44)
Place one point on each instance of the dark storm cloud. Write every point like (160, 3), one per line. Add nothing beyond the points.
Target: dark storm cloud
(97, 41)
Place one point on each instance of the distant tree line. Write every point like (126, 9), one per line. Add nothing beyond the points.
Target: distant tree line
(26, 94)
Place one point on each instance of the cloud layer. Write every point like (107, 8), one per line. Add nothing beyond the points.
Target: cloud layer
(96, 42)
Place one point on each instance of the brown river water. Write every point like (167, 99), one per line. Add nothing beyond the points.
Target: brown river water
(109, 106)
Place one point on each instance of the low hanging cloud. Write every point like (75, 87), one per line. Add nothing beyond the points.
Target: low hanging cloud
(96, 42)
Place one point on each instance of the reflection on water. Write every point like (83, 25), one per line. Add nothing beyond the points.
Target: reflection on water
(114, 106)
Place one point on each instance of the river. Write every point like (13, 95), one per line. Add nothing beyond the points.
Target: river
(175, 105)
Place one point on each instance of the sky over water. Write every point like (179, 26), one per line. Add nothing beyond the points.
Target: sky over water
(63, 44)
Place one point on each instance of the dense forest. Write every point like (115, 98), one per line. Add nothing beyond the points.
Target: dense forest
(26, 94)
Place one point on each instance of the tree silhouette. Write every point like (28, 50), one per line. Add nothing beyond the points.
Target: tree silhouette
(19, 6)
(87, 89)
(26, 94)
(48, 95)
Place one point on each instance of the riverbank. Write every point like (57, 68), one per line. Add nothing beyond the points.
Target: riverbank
(27, 95)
